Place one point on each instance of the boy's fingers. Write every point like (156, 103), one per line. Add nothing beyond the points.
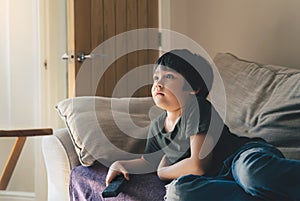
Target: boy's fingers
(126, 175)
(109, 178)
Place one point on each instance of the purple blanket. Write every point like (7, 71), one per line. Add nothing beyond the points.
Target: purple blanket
(87, 183)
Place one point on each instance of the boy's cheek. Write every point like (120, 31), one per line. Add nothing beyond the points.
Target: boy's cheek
(152, 92)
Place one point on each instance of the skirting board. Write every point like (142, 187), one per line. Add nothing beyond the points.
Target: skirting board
(16, 196)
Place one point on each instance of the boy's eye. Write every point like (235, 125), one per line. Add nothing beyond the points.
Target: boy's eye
(155, 78)
(169, 76)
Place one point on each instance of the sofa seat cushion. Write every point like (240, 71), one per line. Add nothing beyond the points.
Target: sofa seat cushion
(87, 183)
(262, 101)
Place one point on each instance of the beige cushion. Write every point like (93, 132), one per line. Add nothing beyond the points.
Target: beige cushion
(262, 101)
(107, 129)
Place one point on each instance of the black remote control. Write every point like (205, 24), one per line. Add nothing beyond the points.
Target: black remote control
(112, 190)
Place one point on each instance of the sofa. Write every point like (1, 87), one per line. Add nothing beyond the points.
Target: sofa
(260, 100)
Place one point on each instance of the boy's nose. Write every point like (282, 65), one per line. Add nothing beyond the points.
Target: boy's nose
(159, 83)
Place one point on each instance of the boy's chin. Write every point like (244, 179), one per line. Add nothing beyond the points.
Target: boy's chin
(160, 104)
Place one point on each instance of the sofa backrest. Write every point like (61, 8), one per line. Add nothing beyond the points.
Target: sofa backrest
(262, 101)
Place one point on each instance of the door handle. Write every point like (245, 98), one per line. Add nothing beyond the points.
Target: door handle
(81, 56)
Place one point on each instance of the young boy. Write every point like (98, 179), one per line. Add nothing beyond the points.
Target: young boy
(237, 168)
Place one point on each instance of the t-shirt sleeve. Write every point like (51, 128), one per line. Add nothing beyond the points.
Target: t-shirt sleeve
(198, 118)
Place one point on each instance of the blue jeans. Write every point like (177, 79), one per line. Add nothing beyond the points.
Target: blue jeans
(258, 171)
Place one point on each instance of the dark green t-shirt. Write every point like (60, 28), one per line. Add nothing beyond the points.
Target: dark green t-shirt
(199, 117)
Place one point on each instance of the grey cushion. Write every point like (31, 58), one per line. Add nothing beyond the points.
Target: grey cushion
(107, 129)
(262, 101)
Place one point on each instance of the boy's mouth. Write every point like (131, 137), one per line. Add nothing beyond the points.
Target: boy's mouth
(159, 93)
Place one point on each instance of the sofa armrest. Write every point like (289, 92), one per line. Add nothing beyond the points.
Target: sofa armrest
(60, 158)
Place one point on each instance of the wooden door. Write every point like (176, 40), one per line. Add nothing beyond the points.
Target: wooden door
(91, 23)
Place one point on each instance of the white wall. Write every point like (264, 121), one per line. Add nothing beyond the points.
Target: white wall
(266, 31)
(32, 32)
(4, 70)
(20, 81)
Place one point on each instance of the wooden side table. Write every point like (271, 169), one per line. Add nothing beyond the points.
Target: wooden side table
(12, 160)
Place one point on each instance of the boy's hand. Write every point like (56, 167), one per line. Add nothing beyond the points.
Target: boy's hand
(115, 169)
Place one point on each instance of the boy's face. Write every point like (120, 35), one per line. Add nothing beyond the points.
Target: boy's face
(167, 90)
